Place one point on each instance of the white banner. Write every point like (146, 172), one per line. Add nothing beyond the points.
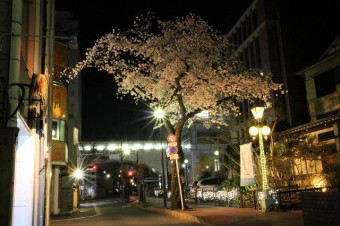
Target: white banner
(247, 165)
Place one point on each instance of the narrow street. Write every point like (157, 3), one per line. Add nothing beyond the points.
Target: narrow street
(114, 212)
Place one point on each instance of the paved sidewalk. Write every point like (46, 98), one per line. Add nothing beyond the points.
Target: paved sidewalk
(221, 215)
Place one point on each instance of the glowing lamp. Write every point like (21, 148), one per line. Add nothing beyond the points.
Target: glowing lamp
(257, 112)
(126, 151)
(265, 130)
(253, 130)
(78, 174)
(159, 113)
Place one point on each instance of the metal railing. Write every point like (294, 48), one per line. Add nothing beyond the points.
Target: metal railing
(231, 198)
(289, 198)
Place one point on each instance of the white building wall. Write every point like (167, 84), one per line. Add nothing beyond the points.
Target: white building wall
(24, 177)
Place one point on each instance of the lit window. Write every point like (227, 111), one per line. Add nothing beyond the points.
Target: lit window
(55, 130)
(58, 130)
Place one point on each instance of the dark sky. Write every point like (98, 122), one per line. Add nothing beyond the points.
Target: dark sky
(104, 116)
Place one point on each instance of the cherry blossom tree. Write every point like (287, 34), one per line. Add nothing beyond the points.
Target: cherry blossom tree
(183, 66)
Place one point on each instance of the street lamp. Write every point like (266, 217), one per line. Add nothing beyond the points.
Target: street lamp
(217, 160)
(78, 174)
(260, 131)
(126, 152)
(186, 170)
(159, 114)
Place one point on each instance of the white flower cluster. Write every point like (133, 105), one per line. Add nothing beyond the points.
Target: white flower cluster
(184, 66)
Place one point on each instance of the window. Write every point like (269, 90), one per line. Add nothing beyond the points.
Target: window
(249, 28)
(252, 49)
(58, 130)
(326, 136)
(325, 83)
(254, 19)
(257, 53)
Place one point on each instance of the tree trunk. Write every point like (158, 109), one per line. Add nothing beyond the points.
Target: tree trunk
(175, 192)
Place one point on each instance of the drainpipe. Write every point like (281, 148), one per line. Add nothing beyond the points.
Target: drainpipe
(14, 62)
(38, 203)
(49, 65)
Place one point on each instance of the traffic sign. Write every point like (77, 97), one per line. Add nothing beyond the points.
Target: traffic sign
(174, 157)
(174, 144)
(173, 150)
(171, 138)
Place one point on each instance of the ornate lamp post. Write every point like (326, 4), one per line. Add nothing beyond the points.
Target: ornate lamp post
(261, 131)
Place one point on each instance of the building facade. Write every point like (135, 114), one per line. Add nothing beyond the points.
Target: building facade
(322, 80)
(32, 106)
(278, 37)
(25, 61)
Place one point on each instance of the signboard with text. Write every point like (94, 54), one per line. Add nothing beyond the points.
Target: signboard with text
(174, 157)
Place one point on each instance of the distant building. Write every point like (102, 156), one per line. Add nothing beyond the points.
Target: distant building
(66, 124)
(281, 37)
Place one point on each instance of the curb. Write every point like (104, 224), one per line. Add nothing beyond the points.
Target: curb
(176, 213)
(65, 214)
(179, 214)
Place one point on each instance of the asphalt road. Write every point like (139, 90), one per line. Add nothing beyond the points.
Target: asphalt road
(114, 212)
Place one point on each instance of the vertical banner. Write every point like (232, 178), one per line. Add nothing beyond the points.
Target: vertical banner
(247, 166)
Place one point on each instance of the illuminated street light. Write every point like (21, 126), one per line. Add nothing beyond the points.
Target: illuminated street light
(78, 174)
(217, 160)
(260, 131)
(159, 114)
(186, 161)
(126, 151)
(108, 175)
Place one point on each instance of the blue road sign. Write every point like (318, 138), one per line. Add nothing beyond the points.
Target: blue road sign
(173, 150)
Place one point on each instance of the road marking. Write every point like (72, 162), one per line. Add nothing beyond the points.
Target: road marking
(98, 213)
